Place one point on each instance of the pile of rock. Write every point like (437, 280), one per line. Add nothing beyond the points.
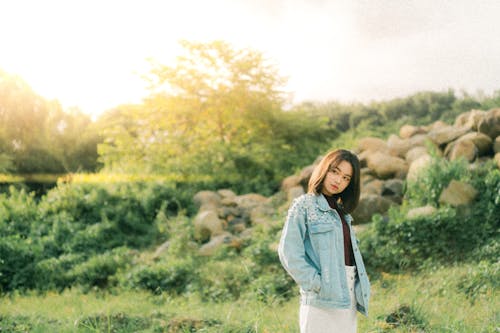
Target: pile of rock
(386, 164)
(225, 218)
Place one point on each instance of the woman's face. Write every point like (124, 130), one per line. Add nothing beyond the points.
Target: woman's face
(337, 178)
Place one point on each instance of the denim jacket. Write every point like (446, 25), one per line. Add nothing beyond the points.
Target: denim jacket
(311, 250)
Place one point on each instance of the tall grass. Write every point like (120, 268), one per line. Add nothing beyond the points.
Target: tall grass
(431, 301)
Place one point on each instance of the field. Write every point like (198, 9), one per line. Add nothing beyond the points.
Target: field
(435, 300)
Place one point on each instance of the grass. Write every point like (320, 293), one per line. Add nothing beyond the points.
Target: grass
(430, 301)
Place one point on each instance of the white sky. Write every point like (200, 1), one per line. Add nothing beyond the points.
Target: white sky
(91, 53)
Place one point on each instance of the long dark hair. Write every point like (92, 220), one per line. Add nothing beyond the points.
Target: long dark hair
(350, 196)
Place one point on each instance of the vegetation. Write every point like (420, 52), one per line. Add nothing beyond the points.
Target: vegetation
(82, 255)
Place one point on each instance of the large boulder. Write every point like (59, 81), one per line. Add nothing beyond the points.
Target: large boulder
(496, 145)
(206, 200)
(470, 119)
(371, 144)
(465, 149)
(490, 123)
(482, 141)
(458, 194)
(290, 182)
(421, 211)
(417, 166)
(224, 239)
(407, 131)
(397, 146)
(497, 159)
(387, 166)
(446, 134)
(305, 175)
(207, 224)
(414, 153)
(370, 205)
(373, 187)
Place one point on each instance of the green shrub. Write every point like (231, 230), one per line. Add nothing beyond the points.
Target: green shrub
(53, 273)
(18, 210)
(450, 234)
(222, 280)
(98, 270)
(272, 288)
(172, 277)
(17, 263)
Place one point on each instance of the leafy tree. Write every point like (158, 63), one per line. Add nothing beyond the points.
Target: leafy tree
(218, 112)
(36, 135)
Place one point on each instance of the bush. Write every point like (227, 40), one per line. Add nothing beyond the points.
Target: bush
(450, 234)
(53, 273)
(17, 263)
(172, 277)
(273, 288)
(220, 281)
(98, 270)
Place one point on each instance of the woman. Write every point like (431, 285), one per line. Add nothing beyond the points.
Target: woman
(319, 250)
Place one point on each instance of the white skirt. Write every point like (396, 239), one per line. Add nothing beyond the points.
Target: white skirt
(320, 320)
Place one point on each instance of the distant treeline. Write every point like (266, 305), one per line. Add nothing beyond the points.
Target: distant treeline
(227, 124)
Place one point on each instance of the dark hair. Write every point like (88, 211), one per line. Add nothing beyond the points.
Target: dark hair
(350, 196)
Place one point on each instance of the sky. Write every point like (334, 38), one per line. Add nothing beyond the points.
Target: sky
(91, 54)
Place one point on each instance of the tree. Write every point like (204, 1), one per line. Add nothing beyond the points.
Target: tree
(218, 111)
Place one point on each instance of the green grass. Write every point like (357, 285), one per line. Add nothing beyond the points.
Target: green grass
(431, 301)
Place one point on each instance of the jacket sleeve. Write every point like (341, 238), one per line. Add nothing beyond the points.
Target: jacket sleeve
(291, 249)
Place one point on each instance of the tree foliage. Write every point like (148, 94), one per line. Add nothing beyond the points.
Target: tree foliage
(218, 111)
(36, 135)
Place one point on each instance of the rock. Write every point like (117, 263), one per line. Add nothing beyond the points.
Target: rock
(295, 192)
(407, 131)
(397, 146)
(470, 119)
(387, 166)
(497, 159)
(305, 175)
(483, 142)
(371, 144)
(496, 145)
(206, 200)
(373, 187)
(490, 123)
(236, 225)
(369, 205)
(417, 166)
(261, 214)
(207, 224)
(215, 243)
(393, 187)
(250, 200)
(419, 140)
(226, 193)
(421, 211)
(229, 212)
(457, 194)
(290, 182)
(465, 149)
(415, 153)
(444, 135)
(435, 126)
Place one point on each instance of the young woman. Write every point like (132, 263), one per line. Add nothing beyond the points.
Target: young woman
(319, 250)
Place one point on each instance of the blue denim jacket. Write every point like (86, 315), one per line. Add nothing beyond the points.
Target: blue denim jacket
(311, 250)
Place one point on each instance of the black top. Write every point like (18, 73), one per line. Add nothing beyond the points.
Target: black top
(348, 254)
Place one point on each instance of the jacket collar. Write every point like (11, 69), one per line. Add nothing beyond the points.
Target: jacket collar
(323, 205)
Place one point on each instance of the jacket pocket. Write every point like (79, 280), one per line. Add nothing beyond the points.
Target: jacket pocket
(321, 234)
